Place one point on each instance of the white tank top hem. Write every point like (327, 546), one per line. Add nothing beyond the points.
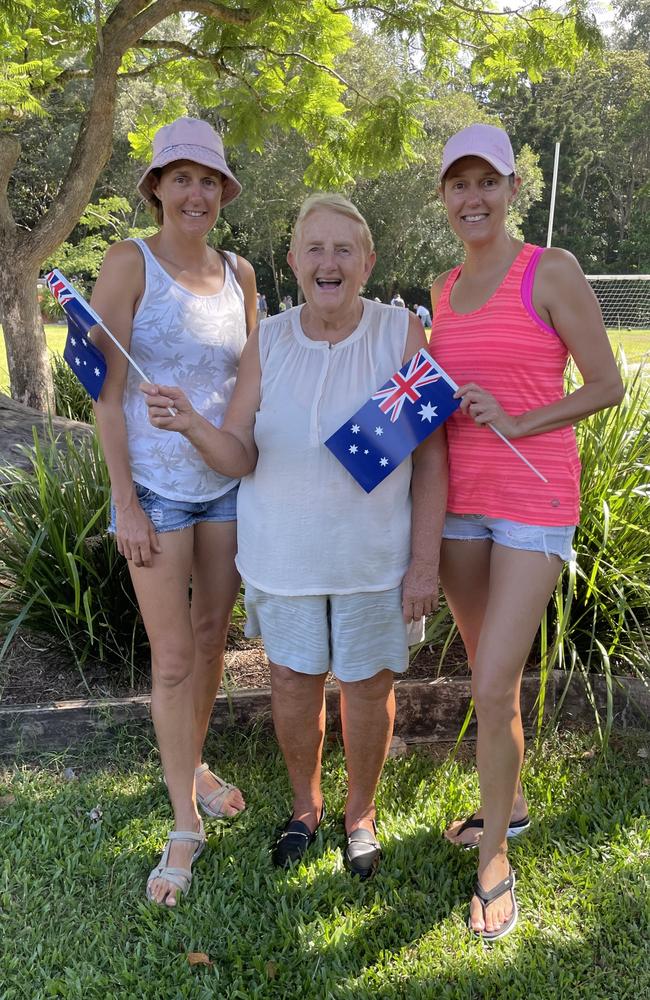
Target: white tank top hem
(305, 526)
(194, 341)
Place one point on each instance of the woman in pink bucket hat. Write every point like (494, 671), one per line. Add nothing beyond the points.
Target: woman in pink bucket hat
(504, 324)
(183, 311)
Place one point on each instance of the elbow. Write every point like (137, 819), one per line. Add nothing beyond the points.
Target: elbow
(615, 393)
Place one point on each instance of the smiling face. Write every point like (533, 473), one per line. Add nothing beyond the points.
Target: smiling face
(477, 198)
(330, 261)
(190, 195)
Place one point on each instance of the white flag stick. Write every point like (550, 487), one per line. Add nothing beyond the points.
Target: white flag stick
(454, 386)
(518, 453)
(100, 322)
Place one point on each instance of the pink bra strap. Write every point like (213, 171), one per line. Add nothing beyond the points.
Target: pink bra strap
(527, 289)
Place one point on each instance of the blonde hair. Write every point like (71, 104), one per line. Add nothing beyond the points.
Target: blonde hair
(332, 202)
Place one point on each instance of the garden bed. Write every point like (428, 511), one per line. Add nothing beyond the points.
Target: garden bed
(46, 705)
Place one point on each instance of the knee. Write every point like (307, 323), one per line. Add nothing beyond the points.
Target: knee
(377, 688)
(496, 706)
(171, 666)
(210, 635)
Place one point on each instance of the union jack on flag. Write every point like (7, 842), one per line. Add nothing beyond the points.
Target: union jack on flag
(403, 386)
(394, 421)
(86, 360)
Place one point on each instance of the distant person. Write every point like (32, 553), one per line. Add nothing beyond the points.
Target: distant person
(182, 310)
(505, 323)
(262, 308)
(423, 315)
(397, 300)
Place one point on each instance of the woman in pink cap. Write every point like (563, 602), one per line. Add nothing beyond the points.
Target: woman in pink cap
(505, 323)
(182, 310)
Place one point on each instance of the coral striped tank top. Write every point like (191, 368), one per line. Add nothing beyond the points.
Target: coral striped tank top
(507, 349)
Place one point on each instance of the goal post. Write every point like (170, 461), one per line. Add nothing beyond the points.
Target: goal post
(624, 300)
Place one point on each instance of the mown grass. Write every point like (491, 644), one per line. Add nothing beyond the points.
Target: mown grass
(55, 335)
(74, 922)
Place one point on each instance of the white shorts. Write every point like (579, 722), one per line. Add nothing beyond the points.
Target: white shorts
(353, 635)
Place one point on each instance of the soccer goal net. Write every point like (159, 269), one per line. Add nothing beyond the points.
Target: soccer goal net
(624, 299)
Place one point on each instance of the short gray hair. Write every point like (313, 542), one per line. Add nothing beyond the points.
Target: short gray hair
(332, 202)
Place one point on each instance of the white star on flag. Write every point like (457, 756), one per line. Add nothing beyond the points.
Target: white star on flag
(365, 451)
(379, 431)
(355, 428)
(383, 461)
(353, 449)
(428, 412)
(73, 341)
(97, 372)
(77, 361)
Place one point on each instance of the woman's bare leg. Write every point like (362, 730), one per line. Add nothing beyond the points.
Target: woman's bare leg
(521, 584)
(367, 718)
(298, 704)
(465, 579)
(162, 591)
(215, 585)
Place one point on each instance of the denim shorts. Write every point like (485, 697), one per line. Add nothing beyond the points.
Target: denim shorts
(552, 541)
(174, 515)
(353, 635)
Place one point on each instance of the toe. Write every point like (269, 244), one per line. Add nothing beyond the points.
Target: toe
(476, 915)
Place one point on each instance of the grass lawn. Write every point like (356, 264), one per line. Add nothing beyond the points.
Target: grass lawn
(74, 922)
(55, 336)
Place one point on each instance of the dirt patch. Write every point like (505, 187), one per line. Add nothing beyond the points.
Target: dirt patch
(36, 670)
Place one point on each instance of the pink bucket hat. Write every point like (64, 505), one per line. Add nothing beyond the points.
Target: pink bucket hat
(190, 139)
(487, 141)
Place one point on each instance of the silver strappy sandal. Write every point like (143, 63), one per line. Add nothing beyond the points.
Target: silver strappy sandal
(212, 804)
(180, 877)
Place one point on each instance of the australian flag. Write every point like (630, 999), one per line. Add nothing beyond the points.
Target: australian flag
(86, 360)
(415, 400)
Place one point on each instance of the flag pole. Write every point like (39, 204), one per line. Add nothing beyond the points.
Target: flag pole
(100, 322)
(551, 215)
(505, 440)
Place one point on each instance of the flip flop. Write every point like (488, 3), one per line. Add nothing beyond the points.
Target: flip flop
(486, 896)
(515, 827)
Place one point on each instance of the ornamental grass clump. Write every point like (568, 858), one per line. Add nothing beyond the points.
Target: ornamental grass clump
(599, 619)
(60, 573)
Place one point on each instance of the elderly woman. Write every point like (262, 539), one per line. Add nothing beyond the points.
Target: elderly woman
(333, 576)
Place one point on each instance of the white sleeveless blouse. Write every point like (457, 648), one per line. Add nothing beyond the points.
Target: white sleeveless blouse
(193, 341)
(305, 526)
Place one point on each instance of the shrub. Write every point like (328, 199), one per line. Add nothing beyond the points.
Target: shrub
(70, 398)
(598, 619)
(60, 573)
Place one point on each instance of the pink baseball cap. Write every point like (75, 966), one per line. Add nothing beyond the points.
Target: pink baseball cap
(190, 139)
(486, 141)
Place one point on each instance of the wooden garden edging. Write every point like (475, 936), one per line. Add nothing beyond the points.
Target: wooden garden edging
(427, 711)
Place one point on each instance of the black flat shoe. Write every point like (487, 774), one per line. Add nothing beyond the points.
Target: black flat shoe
(362, 852)
(293, 841)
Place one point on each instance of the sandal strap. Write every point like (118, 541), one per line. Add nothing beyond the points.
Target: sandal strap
(487, 896)
(473, 822)
(188, 835)
(200, 769)
(218, 795)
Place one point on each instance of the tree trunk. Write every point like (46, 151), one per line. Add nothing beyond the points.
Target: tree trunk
(27, 360)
